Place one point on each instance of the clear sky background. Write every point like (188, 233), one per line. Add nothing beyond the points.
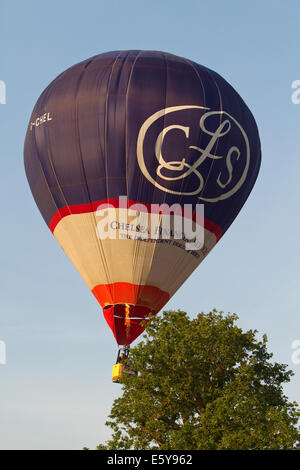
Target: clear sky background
(56, 390)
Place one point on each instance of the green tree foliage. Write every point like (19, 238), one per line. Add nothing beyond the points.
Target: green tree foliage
(203, 383)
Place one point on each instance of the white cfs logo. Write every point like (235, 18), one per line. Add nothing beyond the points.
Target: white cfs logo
(181, 169)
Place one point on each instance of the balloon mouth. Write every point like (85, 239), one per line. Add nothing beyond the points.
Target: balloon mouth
(127, 321)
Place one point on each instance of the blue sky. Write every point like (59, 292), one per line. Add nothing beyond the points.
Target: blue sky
(56, 390)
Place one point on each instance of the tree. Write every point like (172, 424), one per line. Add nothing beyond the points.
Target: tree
(203, 383)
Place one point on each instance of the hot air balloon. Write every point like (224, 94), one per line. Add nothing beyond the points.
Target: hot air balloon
(126, 135)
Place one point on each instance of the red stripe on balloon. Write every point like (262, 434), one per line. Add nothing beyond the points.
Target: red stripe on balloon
(93, 206)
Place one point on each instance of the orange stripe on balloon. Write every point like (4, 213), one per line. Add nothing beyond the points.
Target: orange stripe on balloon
(127, 293)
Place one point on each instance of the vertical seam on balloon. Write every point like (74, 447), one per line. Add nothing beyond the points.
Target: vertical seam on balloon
(40, 163)
(215, 206)
(126, 136)
(136, 250)
(156, 189)
(105, 141)
(101, 248)
(106, 115)
(43, 173)
(170, 275)
(217, 143)
(49, 154)
(126, 115)
(157, 245)
(136, 280)
(220, 100)
(91, 213)
(190, 63)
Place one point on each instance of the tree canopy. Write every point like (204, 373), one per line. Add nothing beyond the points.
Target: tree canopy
(203, 383)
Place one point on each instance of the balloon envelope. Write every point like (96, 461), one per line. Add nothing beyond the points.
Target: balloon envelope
(121, 138)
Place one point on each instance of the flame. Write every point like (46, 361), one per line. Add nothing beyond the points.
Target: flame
(127, 319)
